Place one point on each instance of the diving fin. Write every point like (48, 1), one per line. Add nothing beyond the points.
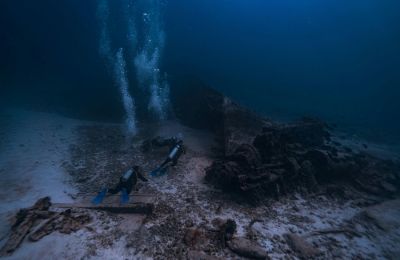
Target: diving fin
(163, 171)
(124, 196)
(100, 197)
(155, 172)
(159, 172)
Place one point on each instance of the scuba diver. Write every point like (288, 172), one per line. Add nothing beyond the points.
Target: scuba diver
(175, 152)
(125, 185)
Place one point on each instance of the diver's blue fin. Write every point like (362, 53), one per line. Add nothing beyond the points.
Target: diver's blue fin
(159, 171)
(100, 196)
(155, 172)
(163, 171)
(124, 196)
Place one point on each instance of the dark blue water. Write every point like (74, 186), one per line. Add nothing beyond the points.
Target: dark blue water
(339, 60)
(336, 59)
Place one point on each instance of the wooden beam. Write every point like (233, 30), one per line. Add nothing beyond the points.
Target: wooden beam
(132, 208)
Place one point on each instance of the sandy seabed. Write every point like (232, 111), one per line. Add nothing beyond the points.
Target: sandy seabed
(48, 155)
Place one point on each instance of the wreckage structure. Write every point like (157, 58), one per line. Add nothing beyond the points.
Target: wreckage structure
(252, 165)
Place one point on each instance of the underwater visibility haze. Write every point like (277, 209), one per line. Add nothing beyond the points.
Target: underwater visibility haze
(286, 58)
(260, 128)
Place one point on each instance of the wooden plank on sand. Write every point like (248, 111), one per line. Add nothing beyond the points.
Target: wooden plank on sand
(133, 208)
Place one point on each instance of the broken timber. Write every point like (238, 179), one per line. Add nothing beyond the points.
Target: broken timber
(138, 208)
(138, 204)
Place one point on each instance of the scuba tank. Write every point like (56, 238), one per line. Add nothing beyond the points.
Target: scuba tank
(127, 175)
(174, 151)
(177, 148)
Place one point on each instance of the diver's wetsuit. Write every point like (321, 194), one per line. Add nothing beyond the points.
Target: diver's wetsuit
(128, 181)
(174, 154)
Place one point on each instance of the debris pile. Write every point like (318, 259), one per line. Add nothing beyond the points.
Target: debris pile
(299, 156)
(257, 156)
(38, 221)
(221, 234)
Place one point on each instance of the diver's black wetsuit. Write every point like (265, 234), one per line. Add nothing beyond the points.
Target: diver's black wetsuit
(175, 153)
(128, 181)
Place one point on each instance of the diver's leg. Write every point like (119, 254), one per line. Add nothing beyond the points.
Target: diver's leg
(141, 177)
(165, 163)
(116, 189)
(174, 162)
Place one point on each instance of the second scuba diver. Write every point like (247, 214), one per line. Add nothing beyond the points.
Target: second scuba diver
(126, 184)
(175, 152)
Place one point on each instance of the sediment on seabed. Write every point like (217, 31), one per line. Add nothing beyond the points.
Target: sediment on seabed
(247, 187)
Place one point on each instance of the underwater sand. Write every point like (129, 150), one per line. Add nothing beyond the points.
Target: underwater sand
(39, 155)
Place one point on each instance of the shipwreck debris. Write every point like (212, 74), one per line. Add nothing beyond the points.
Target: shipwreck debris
(137, 204)
(300, 156)
(256, 157)
(65, 222)
(304, 249)
(39, 221)
(135, 208)
(247, 248)
(26, 220)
